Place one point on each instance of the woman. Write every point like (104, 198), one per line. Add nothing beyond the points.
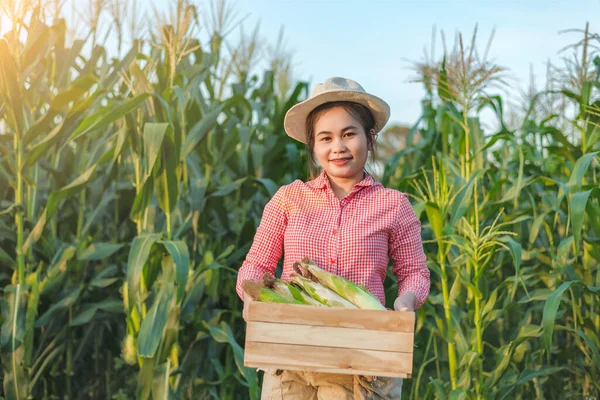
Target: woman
(344, 220)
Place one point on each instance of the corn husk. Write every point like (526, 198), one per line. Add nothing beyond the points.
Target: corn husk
(320, 293)
(258, 292)
(350, 291)
(270, 282)
(288, 290)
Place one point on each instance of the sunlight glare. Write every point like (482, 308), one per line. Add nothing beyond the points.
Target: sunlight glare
(5, 24)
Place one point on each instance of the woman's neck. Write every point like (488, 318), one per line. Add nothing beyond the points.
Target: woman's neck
(342, 186)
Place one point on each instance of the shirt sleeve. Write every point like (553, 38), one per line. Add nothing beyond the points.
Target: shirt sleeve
(267, 246)
(406, 251)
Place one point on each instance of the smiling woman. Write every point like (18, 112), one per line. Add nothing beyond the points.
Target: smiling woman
(340, 136)
(344, 220)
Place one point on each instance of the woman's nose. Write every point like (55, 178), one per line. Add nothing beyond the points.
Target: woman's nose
(339, 146)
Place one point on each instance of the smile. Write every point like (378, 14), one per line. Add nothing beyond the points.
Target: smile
(341, 161)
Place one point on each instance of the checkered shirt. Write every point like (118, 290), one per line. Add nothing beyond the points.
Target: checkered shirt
(354, 237)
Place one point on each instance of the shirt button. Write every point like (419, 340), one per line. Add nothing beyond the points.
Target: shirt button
(335, 231)
(332, 261)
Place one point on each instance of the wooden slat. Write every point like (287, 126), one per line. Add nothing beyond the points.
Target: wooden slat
(312, 335)
(326, 359)
(328, 316)
(265, 366)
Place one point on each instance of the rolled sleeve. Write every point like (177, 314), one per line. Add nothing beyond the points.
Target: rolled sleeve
(406, 251)
(267, 247)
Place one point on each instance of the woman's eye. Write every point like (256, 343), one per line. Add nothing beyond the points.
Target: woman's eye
(350, 134)
(324, 139)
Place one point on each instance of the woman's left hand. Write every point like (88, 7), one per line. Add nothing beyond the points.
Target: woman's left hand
(405, 302)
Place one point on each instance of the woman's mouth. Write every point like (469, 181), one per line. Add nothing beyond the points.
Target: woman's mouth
(341, 161)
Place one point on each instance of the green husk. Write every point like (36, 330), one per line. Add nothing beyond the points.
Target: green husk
(321, 293)
(301, 295)
(270, 282)
(357, 295)
(287, 290)
(259, 292)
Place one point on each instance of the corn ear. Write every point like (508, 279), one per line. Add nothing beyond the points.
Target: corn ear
(350, 291)
(302, 296)
(288, 290)
(301, 270)
(277, 286)
(259, 292)
(320, 293)
(129, 350)
(270, 296)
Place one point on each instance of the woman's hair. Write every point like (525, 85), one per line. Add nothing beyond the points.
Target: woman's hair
(359, 112)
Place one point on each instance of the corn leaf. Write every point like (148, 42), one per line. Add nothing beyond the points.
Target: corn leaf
(181, 258)
(435, 219)
(55, 197)
(121, 66)
(154, 134)
(160, 381)
(105, 277)
(15, 376)
(153, 325)
(223, 334)
(199, 131)
(590, 343)
(14, 309)
(551, 308)
(505, 352)
(166, 173)
(516, 252)
(138, 254)
(89, 310)
(579, 170)
(59, 307)
(99, 251)
(74, 93)
(577, 208)
(116, 113)
(462, 201)
(527, 376)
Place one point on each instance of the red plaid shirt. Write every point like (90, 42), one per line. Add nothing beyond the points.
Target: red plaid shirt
(354, 237)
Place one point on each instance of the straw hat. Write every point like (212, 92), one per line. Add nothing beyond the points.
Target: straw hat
(334, 89)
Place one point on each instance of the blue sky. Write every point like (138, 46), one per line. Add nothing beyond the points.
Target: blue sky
(373, 42)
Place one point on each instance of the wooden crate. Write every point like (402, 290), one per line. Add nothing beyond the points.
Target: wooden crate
(324, 339)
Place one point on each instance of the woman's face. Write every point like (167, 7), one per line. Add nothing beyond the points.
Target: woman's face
(341, 146)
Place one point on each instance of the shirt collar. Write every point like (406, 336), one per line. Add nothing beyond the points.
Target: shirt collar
(322, 181)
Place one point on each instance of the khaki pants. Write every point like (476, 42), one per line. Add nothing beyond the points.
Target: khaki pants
(296, 385)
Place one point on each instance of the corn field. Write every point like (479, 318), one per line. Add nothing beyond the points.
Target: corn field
(131, 188)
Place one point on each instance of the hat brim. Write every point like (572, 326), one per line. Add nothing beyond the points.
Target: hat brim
(295, 119)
